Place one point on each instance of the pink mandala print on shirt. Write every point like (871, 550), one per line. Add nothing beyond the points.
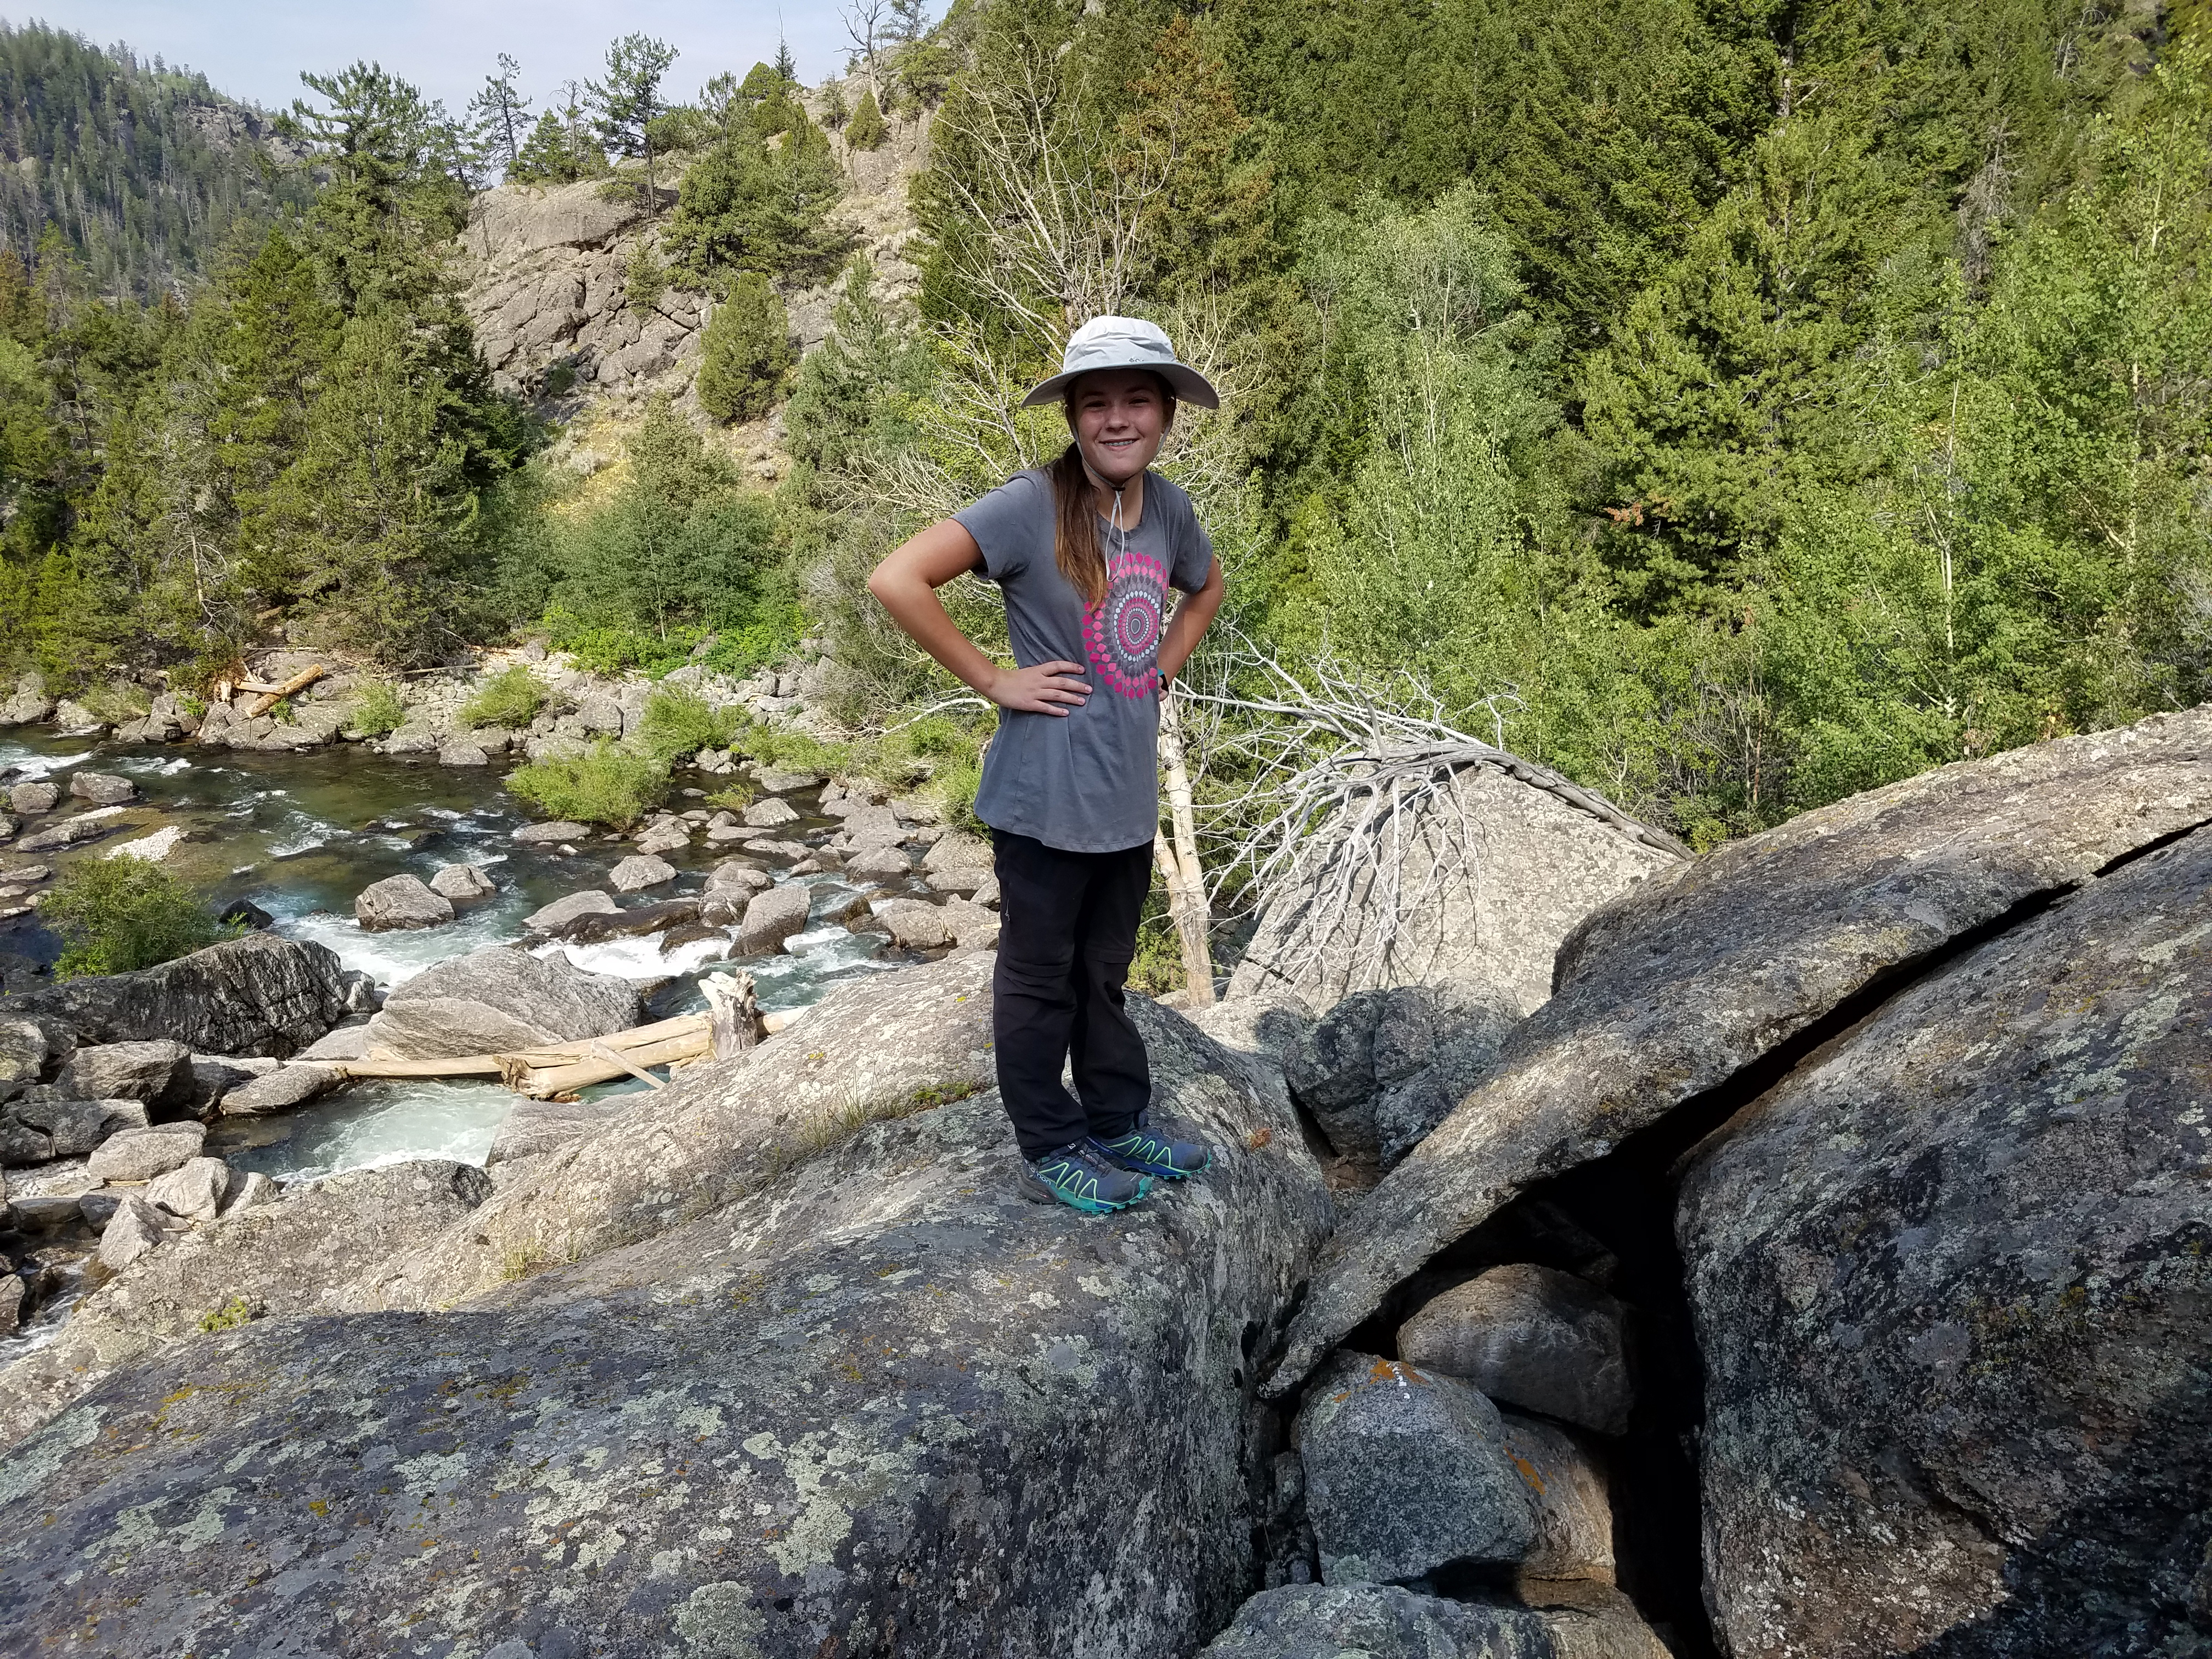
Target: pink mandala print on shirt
(1122, 632)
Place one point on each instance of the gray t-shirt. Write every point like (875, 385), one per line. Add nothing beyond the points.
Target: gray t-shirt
(1087, 781)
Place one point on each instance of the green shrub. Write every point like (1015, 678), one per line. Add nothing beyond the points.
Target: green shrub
(229, 1316)
(115, 703)
(679, 722)
(376, 710)
(794, 751)
(117, 914)
(644, 279)
(746, 351)
(609, 784)
(510, 698)
(866, 129)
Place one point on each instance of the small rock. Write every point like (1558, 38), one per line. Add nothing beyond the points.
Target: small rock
(400, 902)
(770, 814)
(45, 1213)
(215, 1076)
(462, 881)
(782, 783)
(639, 872)
(963, 878)
(27, 1045)
(1406, 1473)
(741, 875)
(361, 994)
(11, 1304)
(135, 1228)
(880, 863)
(102, 788)
(1567, 1489)
(98, 1208)
(1379, 1621)
(672, 836)
(159, 1072)
(540, 834)
(915, 924)
(1532, 1336)
(31, 799)
(144, 1154)
(195, 1190)
(246, 1191)
(562, 911)
(463, 754)
(243, 912)
(771, 918)
(72, 832)
(288, 1085)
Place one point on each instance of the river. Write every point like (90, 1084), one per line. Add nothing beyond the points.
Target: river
(300, 834)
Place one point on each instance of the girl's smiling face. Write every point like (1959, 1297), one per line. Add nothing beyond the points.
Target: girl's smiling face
(1118, 416)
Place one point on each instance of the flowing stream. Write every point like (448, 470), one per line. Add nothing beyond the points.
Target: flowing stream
(300, 834)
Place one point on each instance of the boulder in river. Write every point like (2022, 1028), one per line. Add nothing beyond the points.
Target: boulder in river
(639, 872)
(255, 995)
(881, 863)
(141, 1154)
(462, 882)
(1530, 1336)
(261, 1260)
(1954, 1295)
(770, 814)
(279, 1089)
(772, 917)
(672, 836)
(552, 834)
(1716, 963)
(31, 799)
(158, 1071)
(496, 999)
(865, 1388)
(552, 918)
(400, 902)
(102, 788)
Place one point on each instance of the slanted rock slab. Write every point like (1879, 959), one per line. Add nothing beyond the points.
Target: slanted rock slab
(552, 918)
(255, 995)
(1713, 963)
(1378, 1622)
(277, 1090)
(770, 814)
(461, 882)
(639, 872)
(552, 834)
(879, 1391)
(143, 1154)
(772, 917)
(158, 1072)
(194, 1190)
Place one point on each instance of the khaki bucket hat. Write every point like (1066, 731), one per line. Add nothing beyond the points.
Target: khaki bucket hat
(1124, 343)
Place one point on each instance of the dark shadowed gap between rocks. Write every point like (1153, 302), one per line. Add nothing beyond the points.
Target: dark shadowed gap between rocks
(1612, 1222)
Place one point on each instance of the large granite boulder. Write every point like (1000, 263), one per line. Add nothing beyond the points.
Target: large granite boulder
(1541, 863)
(258, 1261)
(1954, 1299)
(399, 901)
(255, 995)
(158, 1071)
(1533, 1336)
(1393, 1045)
(1546, 1620)
(496, 999)
(867, 1399)
(1712, 965)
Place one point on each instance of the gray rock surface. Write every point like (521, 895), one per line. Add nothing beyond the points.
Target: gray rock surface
(255, 995)
(770, 814)
(29, 1043)
(496, 999)
(143, 1154)
(462, 882)
(401, 902)
(1951, 1285)
(31, 799)
(533, 1128)
(1534, 1337)
(72, 1126)
(194, 1190)
(889, 863)
(1541, 866)
(1406, 1473)
(553, 917)
(1398, 1044)
(639, 872)
(1377, 1621)
(279, 1089)
(1714, 963)
(552, 834)
(1570, 1496)
(276, 1258)
(158, 1071)
(671, 837)
(772, 916)
(101, 788)
(867, 1389)
(742, 875)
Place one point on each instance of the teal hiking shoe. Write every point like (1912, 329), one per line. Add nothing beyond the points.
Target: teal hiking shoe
(1075, 1175)
(1152, 1149)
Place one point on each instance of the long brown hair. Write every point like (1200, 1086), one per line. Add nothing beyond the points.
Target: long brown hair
(1075, 512)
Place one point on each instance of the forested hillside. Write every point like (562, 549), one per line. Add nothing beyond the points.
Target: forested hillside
(1734, 405)
(141, 168)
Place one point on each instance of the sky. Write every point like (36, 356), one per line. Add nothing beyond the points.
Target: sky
(254, 49)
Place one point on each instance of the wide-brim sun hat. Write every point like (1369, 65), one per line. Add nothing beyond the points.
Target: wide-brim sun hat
(1124, 343)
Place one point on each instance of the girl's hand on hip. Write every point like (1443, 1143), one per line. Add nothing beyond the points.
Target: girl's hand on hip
(1044, 688)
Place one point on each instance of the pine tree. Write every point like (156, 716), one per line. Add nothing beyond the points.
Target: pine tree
(866, 129)
(628, 102)
(502, 113)
(747, 351)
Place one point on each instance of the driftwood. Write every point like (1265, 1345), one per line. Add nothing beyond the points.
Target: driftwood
(558, 1067)
(270, 696)
(734, 1018)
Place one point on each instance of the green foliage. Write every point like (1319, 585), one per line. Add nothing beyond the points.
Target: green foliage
(115, 703)
(644, 278)
(626, 104)
(501, 117)
(117, 914)
(746, 206)
(233, 1312)
(866, 129)
(376, 710)
(609, 785)
(746, 351)
(678, 723)
(510, 698)
(558, 152)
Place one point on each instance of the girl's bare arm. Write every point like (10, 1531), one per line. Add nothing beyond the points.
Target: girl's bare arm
(1188, 624)
(906, 584)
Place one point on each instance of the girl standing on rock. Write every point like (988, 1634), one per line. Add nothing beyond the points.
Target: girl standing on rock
(1085, 550)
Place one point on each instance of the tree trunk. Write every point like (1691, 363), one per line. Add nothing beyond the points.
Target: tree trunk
(1179, 863)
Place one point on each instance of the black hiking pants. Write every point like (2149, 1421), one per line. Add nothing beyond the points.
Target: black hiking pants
(1068, 932)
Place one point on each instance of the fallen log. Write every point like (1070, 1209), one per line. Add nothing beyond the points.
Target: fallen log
(575, 1065)
(270, 696)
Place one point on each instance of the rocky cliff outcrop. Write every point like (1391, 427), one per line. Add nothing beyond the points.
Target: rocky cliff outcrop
(255, 995)
(883, 1405)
